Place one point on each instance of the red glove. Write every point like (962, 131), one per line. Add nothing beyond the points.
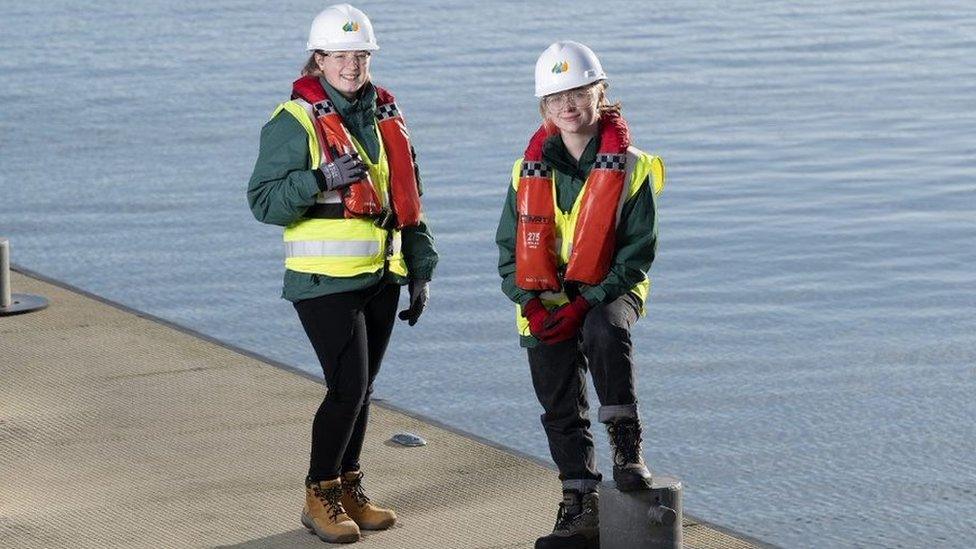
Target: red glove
(536, 313)
(565, 322)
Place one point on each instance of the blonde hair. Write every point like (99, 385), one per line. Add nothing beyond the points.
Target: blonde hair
(603, 105)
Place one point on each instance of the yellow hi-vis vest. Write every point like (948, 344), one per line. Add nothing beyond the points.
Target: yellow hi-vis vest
(341, 247)
(640, 165)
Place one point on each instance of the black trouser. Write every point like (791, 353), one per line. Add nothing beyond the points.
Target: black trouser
(349, 332)
(559, 378)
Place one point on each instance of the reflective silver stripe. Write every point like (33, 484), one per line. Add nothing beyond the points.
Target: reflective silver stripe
(553, 296)
(332, 248)
(397, 243)
(631, 163)
(310, 110)
(307, 106)
(328, 197)
(633, 155)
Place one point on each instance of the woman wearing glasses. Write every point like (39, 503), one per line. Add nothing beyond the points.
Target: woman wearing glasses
(336, 168)
(576, 237)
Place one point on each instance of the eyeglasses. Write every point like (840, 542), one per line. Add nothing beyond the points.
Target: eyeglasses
(574, 97)
(344, 58)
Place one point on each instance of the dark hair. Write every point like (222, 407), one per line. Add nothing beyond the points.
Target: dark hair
(311, 67)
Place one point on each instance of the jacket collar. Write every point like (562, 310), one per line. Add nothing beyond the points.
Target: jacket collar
(365, 103)
(555, 154)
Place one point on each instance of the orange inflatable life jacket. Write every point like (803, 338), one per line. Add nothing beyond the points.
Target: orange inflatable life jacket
(594, 238)
(360, 198)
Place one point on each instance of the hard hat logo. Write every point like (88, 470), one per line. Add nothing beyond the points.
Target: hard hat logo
(560, 67)
(351, 26)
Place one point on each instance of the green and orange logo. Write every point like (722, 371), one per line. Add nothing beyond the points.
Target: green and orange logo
(351, 26)
(560, 67)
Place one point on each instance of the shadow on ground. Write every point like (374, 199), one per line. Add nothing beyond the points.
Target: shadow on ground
(296, 538)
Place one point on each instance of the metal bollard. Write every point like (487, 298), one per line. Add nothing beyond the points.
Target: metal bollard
(10, 303)
(5, 298)
(648, 519)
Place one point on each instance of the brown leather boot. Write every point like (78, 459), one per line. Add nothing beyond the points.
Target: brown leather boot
(324, 515)
(367, 515)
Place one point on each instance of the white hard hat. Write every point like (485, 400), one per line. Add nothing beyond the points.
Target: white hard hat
(341, 28)
(566, 65)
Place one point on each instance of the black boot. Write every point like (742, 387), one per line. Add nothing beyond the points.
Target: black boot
(629, 471)
(577, 523)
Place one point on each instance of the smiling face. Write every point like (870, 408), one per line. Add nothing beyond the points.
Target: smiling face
(346, 71)
(572, 111)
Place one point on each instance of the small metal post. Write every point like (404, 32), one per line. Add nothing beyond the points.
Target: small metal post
(10, 303)
(649, 519)
(4, 273)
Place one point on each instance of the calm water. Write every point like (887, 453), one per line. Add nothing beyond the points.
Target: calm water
(807, 366)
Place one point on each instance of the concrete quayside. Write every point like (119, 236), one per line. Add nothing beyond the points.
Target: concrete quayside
(118, 429)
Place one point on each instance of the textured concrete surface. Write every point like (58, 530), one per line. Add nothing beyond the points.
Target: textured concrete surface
(117, 430)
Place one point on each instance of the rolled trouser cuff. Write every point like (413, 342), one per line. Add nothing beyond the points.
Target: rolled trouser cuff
(581, 485)
(617, 411)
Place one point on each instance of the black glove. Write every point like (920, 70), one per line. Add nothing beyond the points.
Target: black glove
(342, 172)
(419, 294)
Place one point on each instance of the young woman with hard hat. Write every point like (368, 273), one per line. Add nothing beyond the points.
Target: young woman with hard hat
(336, 168)
(576, 237)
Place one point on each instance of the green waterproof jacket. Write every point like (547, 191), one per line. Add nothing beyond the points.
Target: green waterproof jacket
(283, 186)
(636, 238)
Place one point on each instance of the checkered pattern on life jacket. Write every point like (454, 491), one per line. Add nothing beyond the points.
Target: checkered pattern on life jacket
(386, 111)
(535, 169)
(610, 162)
(324, 108)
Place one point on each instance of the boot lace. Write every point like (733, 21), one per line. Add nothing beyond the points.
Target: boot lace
(332, 498)
(564, 518)
(625, 437)
(568, 520)
(354, 488)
